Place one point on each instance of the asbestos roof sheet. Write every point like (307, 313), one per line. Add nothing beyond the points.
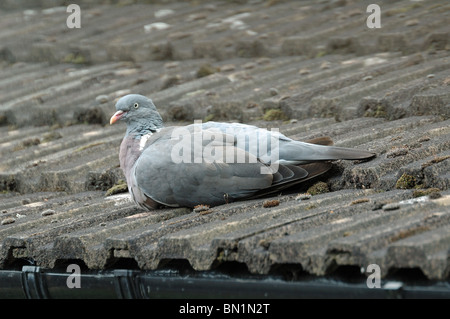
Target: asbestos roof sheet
(317, 63)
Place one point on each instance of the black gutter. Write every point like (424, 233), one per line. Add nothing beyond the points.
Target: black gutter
(35, 283)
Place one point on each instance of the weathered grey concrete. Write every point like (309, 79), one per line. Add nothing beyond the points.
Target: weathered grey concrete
(382, 90)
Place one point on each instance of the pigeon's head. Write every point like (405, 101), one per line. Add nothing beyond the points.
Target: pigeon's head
(138, 112)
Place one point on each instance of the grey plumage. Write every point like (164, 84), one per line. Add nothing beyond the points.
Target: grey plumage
(212, 163)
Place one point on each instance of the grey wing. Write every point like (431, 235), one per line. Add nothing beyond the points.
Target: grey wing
(172, 182)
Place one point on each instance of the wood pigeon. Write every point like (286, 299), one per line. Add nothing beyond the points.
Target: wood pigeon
(212, 163)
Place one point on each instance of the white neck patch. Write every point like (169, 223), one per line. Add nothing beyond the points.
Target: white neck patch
(144, 139)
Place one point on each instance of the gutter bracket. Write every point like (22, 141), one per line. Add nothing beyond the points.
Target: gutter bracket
(32, 284)
(126, 284)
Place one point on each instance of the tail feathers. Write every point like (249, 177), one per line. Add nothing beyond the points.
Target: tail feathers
(294, 152)
(315, 156)
(348, 153)
(341, 152)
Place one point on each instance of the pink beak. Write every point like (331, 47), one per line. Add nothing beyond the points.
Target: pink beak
(117, 116)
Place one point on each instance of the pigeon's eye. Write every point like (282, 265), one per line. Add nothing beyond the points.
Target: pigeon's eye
(136, 105)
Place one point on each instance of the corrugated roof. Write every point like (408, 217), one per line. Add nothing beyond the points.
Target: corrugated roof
(383, 90)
